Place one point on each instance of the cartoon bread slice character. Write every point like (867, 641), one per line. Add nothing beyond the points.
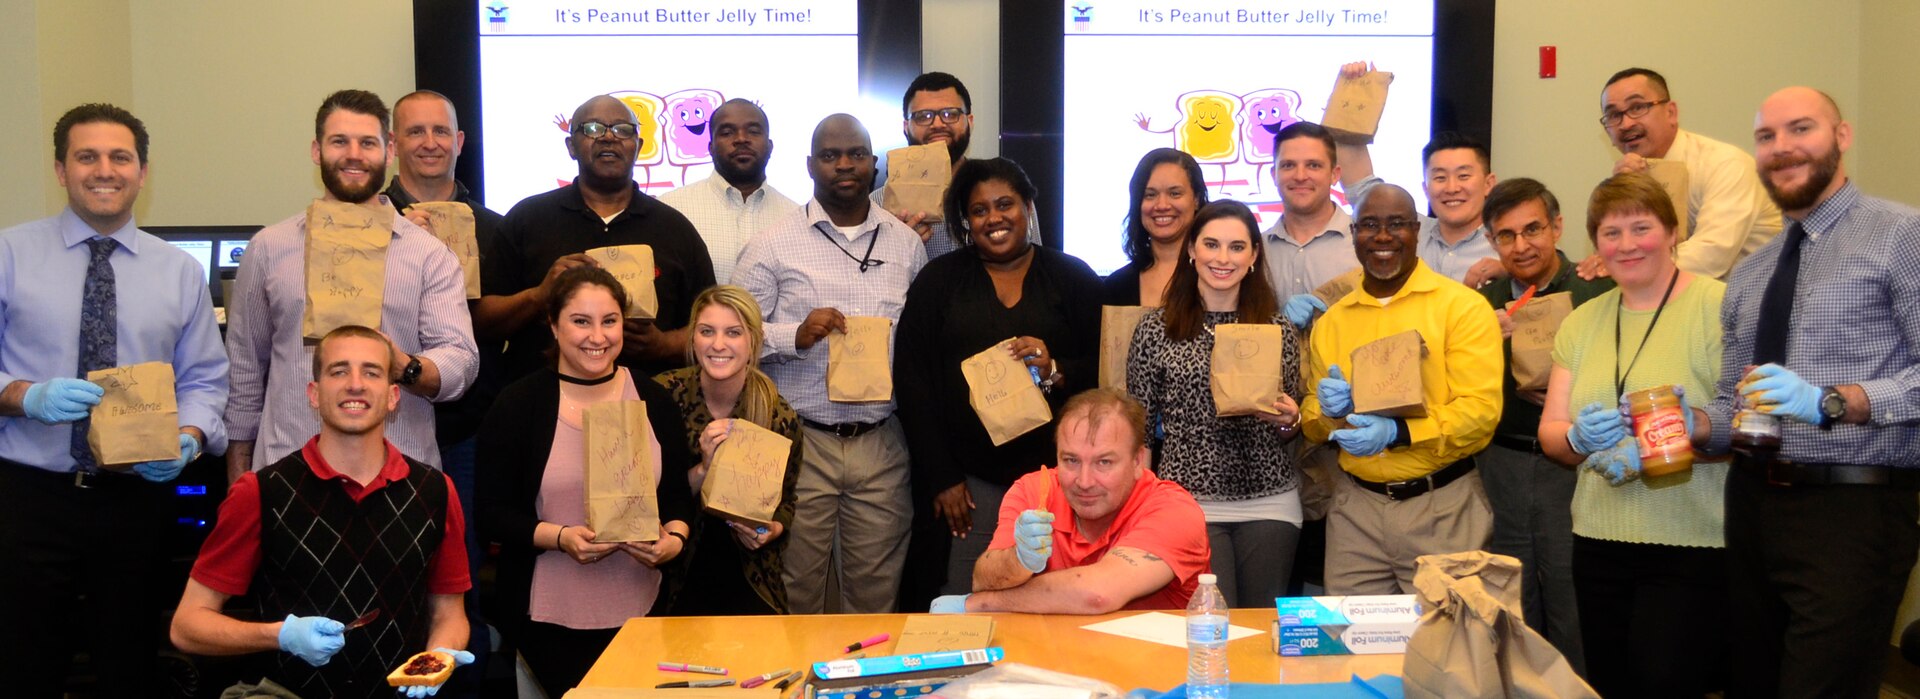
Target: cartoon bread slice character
(647, 110)
(688, 115)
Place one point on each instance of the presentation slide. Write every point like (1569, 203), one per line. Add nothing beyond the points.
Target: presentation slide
(1217, 78)
(673, 62)
(201, 251)
(230, 252)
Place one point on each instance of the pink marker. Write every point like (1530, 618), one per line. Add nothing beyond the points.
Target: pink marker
(870, 642)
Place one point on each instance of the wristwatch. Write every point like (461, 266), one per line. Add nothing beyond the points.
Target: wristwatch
(1833, 407)
(410, 375)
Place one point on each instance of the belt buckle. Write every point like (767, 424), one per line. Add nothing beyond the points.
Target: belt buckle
(846, 430)
(82, 479)
(1777, 466)
(1393, 490)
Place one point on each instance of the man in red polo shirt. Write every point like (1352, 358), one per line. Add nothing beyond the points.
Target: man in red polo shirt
(1109, 534)
(345, 530)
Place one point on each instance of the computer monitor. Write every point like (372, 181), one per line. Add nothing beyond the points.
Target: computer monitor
(216, 248)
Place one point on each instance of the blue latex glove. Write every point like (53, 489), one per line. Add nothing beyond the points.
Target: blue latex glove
(1033, 539)
(1597, 429)
(1775, 390)
(61, 400)
(949, 604)
(1369, 435)
(1300, 309)
(1618, 464)
(460, 657)
(163, 471)
(312, 638)
(1336, 395)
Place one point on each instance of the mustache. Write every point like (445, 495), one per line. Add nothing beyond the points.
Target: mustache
(1787, 160)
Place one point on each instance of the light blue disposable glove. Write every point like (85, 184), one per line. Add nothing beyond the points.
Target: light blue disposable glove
(1033, 539)
(949, 604)
(460, 657)
(1597, 429)
(61, 400)
(1775, 390)
(312, 638)
(1369, 434)
(163, 471)
(1300, 309)
(1617, 464)
(1336, 395)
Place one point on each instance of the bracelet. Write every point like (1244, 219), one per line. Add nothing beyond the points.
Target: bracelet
(557, 535)
(678, 535)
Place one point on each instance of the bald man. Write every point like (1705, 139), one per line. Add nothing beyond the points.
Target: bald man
(546, 234)
(735, 202)
(839, 255)
(1822, 533)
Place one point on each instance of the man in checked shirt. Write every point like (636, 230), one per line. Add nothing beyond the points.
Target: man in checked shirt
(1821, 535)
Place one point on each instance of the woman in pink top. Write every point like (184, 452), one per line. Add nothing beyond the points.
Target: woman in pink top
(563, 592)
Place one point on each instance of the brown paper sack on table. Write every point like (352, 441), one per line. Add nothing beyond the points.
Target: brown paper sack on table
(1672, 176)
(1003, 394)
(1116, 339)
(346, 265)
(917, 179)
(743, 483)
(1534, 328)
(137, 419)
(859, 368)
(632, 266)
(1386, 376)
(1248, 359)
(1356, 103)
(622, 502)
(1471, 641)
(452, 223)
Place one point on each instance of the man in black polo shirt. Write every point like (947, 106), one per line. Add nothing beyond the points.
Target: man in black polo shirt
(546, 234)
(345, 531)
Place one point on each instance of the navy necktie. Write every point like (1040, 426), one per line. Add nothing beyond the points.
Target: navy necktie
(1776, 304)
(98, 349)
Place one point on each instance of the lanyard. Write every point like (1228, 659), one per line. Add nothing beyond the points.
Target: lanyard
(865, 260)
(1620, 377)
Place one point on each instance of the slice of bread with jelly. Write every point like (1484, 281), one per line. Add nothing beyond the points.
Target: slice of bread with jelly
(423, 669)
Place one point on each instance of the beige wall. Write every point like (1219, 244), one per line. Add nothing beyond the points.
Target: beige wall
(25, 144)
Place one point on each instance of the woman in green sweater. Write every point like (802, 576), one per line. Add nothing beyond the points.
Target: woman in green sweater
(1649, 553)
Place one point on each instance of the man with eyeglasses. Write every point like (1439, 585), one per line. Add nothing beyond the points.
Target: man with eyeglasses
(839, 255)
(1458, 171)
(1411, 488)
(424, 308)
(1728, 211)
(549, 233)
(937, 110)
(1531, 495)
(736, 201)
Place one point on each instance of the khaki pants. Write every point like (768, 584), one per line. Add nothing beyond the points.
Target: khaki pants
(1372, 541)
(851, 516)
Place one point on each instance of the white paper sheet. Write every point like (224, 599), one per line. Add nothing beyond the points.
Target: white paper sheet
(1162, 628)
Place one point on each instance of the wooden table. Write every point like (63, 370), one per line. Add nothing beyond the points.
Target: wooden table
(755, 645)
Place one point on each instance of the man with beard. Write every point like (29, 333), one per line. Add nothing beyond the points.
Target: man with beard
(1459, 172)
(937, 110)
(85, 290)
(735, 202)
(344, 527)
(1821, 532)
(1730, 214)
(423, 308)
(839, 255)
(1411, 488)
(549, 233)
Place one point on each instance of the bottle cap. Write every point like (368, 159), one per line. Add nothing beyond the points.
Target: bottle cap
(1209, 579)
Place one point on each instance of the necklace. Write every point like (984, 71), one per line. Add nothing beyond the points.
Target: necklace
(588, 382)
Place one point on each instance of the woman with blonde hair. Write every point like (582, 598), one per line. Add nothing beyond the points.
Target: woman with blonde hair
(731, 567)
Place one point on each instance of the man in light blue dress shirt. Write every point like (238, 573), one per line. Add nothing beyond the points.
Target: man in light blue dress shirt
(71, 527)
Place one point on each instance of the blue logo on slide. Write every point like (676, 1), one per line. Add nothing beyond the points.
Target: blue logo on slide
(1082, 15)
(497, 16)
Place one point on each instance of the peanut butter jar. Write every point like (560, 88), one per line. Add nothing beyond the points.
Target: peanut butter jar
(1661, 429)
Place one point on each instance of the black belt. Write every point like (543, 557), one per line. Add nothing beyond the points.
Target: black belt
(76, 478)
(1408, 490)
(1521, 444)
(1783, 472)
(845, 430)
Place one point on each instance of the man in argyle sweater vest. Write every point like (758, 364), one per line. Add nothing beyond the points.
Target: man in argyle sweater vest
(337, 531)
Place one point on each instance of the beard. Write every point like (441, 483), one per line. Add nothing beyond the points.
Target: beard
(752, 174)
(957, 148)
(1825, 167)
(376, 178)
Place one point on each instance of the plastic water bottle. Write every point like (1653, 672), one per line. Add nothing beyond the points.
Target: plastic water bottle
(1207, 641)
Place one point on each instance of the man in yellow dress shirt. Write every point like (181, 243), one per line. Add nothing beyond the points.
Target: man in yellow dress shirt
(1411, 489)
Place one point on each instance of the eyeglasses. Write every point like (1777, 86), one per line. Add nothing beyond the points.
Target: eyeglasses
(1533, 232)
(1372, 226)
(594, 129)
(947, 116)
(1635, 110)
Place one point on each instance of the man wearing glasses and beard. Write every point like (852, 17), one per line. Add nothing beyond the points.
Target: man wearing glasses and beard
(937, 110)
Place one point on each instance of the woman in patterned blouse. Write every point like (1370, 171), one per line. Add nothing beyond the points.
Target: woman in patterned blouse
(732, 568)
(1240, 468)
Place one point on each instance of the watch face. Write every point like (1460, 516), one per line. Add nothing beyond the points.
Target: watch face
(1833, 404)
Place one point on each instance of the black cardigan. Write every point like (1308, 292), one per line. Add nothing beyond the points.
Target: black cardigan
(510, 459)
